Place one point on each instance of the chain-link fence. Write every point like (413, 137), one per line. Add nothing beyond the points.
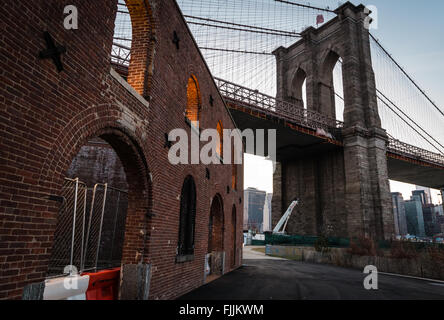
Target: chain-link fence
(90, 228)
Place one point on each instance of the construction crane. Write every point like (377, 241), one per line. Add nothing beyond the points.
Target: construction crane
(282, 224)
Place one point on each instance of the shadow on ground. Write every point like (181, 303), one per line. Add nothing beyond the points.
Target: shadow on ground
(280, 279)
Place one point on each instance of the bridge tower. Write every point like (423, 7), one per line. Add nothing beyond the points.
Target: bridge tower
(347, 190)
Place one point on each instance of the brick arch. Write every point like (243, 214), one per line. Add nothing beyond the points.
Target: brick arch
(128, 146)
(74, 135)
(140, 69)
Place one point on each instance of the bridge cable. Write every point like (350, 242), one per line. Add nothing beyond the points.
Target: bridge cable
(295, 34)
(394, 105)
(236, 51)
(305, 6)
(339, 96)
(245, 30)
(406, 74)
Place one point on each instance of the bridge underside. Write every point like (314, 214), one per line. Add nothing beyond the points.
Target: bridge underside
(415, 172)
(295, 142)
(292, 142)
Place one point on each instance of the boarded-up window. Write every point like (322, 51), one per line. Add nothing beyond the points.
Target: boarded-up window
(187, 217)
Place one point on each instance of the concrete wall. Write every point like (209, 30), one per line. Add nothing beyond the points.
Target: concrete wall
(423, 266)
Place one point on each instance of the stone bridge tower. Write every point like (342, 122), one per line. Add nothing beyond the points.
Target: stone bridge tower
(347, 190)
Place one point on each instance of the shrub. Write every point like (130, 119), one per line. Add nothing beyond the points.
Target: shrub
(321, 244)
(403, 250)
(362, 247)
(436, 255)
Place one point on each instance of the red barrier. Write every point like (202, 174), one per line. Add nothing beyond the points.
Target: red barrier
(103, 285)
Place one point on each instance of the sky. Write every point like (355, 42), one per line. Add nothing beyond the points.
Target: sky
(413, 32)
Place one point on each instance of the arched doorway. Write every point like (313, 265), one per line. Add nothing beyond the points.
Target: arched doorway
(106, 182)
(215, 252)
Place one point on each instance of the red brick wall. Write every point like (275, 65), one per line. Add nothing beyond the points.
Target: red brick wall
(46, 117)
(97, 162)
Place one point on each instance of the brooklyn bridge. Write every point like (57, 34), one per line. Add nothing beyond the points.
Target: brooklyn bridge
(86, 188)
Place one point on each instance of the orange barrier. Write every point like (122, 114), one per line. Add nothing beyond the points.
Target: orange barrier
(103, 285)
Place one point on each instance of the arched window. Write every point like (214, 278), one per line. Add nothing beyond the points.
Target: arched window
(216, 225)
(122, 40)
(133, 43)
(192, 111)
(220, 145)
(187, 217)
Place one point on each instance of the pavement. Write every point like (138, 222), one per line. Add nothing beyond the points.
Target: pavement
(250, 254)
(267, 278)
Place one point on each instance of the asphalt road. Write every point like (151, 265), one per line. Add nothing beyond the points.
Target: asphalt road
(266, 279)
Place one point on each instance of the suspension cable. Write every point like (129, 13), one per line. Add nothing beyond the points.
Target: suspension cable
(394, 105)
(244, 25)
(305, 6)
(406, 74)
(276, 33)
(235, 51)
(440, 151)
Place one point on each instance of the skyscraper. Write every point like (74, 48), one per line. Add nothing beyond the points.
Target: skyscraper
(254, 201)
(423, 196)
(267, 212)
(414, 215)
(431, 225)
(399, 214)
(427, 194)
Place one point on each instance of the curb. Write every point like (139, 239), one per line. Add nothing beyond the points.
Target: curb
(411, 277)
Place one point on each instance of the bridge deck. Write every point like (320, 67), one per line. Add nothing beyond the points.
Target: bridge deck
(301, 132)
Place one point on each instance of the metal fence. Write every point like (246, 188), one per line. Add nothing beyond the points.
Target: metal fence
(90, 228)
(298, 240)
(337, 242)
(256, 100)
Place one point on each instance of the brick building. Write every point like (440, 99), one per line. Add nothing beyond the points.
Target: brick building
(51, 123)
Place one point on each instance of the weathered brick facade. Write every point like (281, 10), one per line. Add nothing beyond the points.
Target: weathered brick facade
(46, 118)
